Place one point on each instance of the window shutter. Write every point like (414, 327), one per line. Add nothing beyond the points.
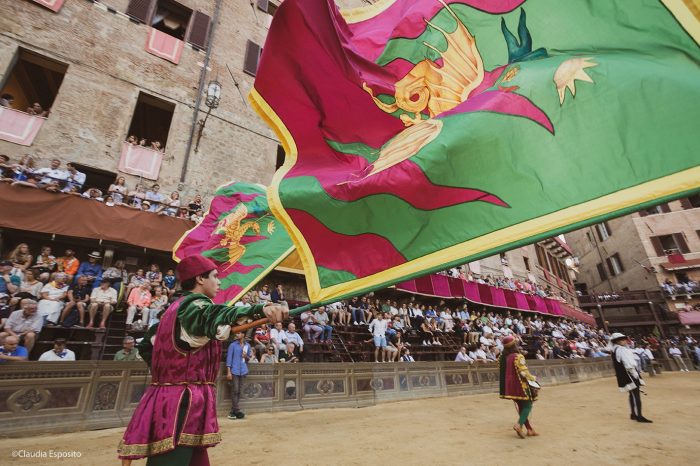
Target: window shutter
(685, 203)
(198, 32)
(665, 208)
(252, 57)
(263, 5)
(601, 272)
(140, 10)
(619, 262)
(656, 242)
(680, 242)
(607, 228)
(600, 235)
(610, 267)
(643, 213)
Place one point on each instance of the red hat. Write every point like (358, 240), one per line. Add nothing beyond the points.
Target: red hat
(508, 341)
(193, 266)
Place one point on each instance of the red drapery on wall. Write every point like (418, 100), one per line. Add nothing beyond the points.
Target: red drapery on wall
(30, 209)
(447, 287)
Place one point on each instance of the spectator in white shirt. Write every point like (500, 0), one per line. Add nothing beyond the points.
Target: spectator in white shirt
(74, 178)
(53, 297)
(378, 330)
(481, 354)
(59, 352)
(291, 336)
(102, 298)
(677, 356)
(463, 356)
(278, 339)
(51, 175)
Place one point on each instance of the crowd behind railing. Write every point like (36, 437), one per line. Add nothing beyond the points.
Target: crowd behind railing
(6, 100)
(71, 181)
(687, 287)
(526, 286)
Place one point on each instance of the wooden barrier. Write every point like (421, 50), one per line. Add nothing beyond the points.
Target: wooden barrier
(53, 397)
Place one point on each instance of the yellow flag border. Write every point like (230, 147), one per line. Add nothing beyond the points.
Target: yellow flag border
(667, 186)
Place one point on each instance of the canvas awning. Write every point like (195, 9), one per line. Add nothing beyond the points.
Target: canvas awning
(30, 209)
(690, 264)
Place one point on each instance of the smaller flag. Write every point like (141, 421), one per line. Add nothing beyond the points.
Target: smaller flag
(241, 235)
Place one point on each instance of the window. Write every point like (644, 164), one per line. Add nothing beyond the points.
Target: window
(267, 6)
(657, 209)
(590, 237)
(34, 79)
(252, 58)
(96, 177)
(541, 256)
(669, 244)
(526, 260)
(151, 120)
(615, 265)
(280, 157)
(601, 272)
(691, 202)
(172, 18)
(603, 230)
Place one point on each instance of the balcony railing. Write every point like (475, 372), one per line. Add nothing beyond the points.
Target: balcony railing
(164, 46)
(449, 287)
(140, 161)
(53, 5)
(621, 296)
(19, 127)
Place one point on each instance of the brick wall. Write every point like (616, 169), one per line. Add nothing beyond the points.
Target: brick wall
(108, 67)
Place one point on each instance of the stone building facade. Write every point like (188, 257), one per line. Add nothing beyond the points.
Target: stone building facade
(106, 72)
(641, 251)
(624, 262)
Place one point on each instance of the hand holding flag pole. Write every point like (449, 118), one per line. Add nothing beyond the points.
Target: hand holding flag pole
(278, 314)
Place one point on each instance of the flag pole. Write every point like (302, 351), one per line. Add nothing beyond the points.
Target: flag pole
(259, 322)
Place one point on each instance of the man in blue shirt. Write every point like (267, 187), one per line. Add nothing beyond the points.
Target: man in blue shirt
(91, 269)
(236, 369)
(9, 284)
(11, 351)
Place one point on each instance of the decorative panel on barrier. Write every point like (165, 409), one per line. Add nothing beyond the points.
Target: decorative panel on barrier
(39, 397)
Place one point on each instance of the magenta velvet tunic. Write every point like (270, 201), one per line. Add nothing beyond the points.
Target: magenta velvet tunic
(152, 427)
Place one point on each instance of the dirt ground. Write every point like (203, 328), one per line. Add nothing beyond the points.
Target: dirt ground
(580, 424)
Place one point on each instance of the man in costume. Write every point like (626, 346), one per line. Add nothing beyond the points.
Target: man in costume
(175, 421)
(628, 377)
(514, 385)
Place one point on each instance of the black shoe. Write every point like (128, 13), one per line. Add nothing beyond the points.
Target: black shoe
(241, 415)
(643, 419)
(633, 417)
(232, 415)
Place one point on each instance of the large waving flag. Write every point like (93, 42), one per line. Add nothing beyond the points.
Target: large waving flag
(422, 133)
(241, 235)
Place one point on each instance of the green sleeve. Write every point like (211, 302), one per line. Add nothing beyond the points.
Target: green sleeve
(145, 347)
(199, 316)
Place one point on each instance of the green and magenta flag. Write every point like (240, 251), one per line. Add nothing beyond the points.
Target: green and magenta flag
(241, 235)
(425, 133)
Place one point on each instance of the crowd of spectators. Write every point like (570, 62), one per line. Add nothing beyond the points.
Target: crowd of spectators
(44, 290)
(526, 286)
(687, 287)
(6, 100)
(72, 181)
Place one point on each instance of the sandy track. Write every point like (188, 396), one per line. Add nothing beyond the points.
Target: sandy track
(580, 424)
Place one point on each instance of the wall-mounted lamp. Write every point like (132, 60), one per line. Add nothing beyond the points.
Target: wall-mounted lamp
(212, 101)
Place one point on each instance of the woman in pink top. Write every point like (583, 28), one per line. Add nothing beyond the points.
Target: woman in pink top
(139, 300)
